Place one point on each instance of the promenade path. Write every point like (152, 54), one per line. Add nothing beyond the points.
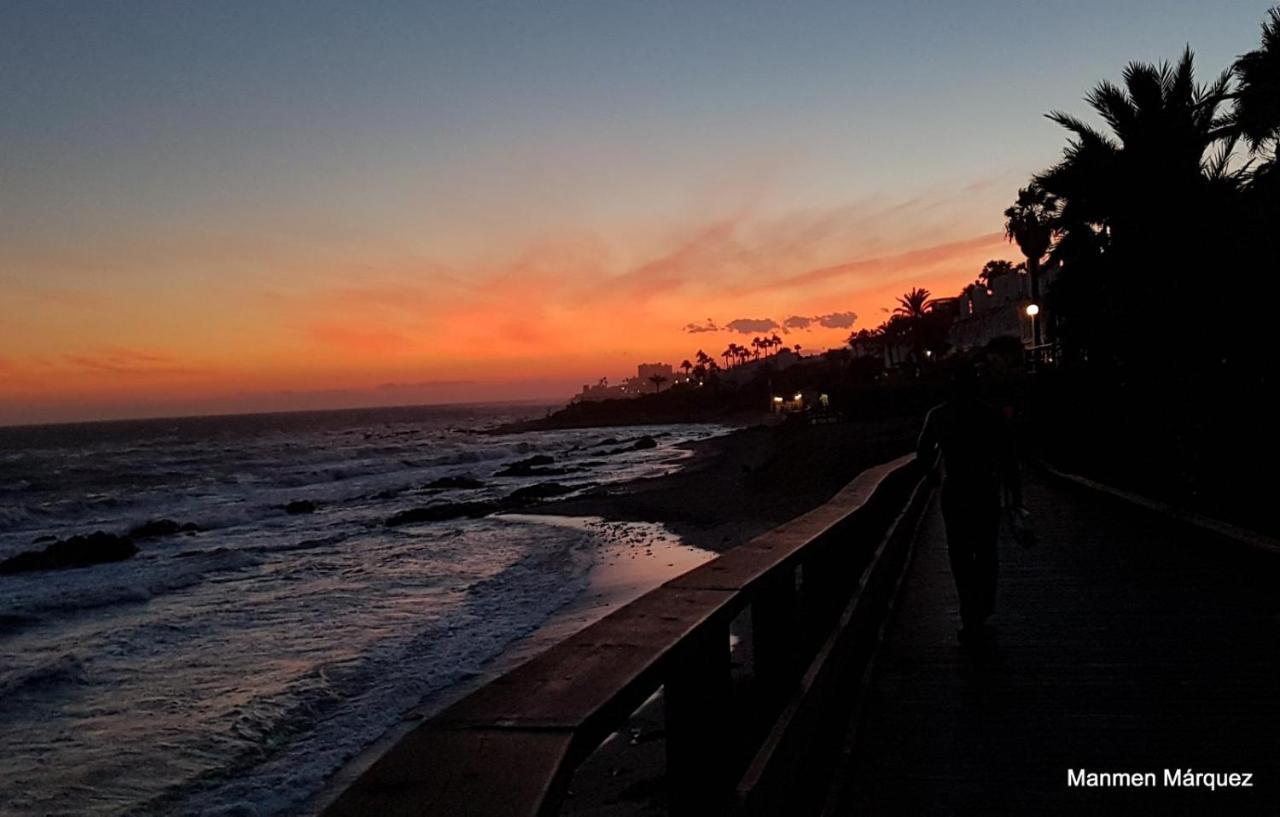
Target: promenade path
(1121, 644)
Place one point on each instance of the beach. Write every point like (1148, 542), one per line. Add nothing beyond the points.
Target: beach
(732, 488)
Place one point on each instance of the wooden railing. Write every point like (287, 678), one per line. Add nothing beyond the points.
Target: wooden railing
(816, 591)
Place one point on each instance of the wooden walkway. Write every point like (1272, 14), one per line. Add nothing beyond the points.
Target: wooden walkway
(1121, 645)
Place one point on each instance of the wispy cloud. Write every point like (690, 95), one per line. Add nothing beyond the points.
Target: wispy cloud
(698, 328)
(121, 361)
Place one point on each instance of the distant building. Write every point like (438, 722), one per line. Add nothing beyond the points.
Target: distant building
(632, 386)
(998, 310)
(601, 391)
(647, 370)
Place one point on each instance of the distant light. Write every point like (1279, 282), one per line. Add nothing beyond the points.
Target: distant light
(928, 353)
(777, 399)
(1032, 310)
(798, 395)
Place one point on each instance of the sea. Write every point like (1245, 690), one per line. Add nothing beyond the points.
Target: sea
(231, 670)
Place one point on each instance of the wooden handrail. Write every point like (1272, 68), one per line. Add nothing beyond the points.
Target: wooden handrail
(510, 748)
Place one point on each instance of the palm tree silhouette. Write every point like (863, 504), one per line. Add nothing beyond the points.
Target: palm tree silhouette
(914, 304)
(1123, 199)
(1030, 222)
(1163, 124)
(1257, 94)
(687, 366)
(912, 308)
(657, 380)
(993, 270)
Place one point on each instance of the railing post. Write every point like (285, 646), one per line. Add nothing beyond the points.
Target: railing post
(821, 590)
(775, 646)
(697, 697)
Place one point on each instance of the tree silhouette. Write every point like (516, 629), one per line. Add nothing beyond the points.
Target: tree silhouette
(1126, 203)
(1257, 94)
(996, 269)
(657, 380)
(1029, 222)
(687, 366)
(913, 304)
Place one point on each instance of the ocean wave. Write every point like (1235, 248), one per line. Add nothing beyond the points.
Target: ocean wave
(43, 678)
(44, 596)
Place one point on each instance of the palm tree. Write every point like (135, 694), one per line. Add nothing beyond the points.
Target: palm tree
(1163, 123)
(687, 366)
(1131, 207)
(657, 380)
(1029, 222)
(996, 269)
(730, 351)
(913, 304)
(1257, 95)
(912, 308)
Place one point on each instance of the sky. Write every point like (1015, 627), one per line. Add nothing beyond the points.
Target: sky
(246, 206)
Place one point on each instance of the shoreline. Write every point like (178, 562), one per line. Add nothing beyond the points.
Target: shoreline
(731, 488)
(634, 559)
(738, 485)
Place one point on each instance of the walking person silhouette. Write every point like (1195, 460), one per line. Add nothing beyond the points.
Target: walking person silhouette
(978, 460)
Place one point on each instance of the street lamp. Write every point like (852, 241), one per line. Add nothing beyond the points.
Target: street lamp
(1032, 311)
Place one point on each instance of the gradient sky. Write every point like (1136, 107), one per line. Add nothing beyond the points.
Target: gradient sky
(224, 206)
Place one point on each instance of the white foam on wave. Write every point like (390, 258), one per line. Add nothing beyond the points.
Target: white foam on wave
(242, 665)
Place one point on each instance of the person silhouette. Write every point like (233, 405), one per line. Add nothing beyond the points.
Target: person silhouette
(978, 459)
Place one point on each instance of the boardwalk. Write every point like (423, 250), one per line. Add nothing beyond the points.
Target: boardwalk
(1121, 645)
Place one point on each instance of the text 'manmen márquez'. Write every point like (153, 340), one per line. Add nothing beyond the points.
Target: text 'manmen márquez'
(1171, 778)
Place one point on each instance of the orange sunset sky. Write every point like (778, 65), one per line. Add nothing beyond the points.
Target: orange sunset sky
(239, 207)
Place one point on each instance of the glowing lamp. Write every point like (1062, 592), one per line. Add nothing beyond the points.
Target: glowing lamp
(1032, 310)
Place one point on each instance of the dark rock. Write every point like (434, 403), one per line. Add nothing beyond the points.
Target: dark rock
(300, 506)
(161, 527)
(442, 511)
(446, 483)
(78, 551)
(639, 444)
(526, 467)
(542, 490)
